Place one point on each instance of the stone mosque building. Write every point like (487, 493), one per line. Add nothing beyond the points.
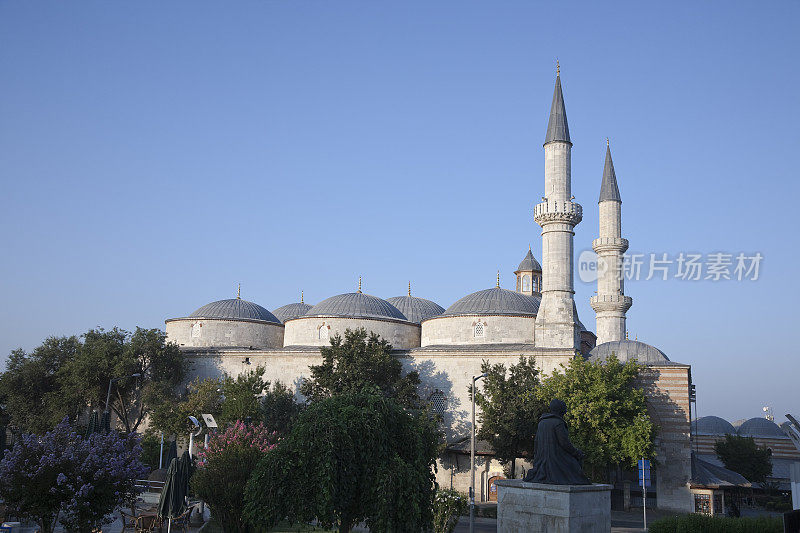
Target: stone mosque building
(447, 346)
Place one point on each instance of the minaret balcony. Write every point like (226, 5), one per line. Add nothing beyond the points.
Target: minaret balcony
(610, 244)
(551, 211)
(611, 302)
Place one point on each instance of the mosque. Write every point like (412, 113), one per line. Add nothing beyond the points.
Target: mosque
(447, 346)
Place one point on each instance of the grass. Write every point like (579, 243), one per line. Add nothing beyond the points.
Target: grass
(695, 523)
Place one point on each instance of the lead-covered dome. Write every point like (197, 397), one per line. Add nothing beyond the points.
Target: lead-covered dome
(235, 309)
(290, 311)
(714, 425)
(627, 350)
(495, 301)
(416, 309)
(761, 427)
(355, 305)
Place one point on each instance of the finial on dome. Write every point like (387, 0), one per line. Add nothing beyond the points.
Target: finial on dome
(608, 143)
(359, 284)
(558, 68)
(409, 288)
(239, 292)
(301, 297)
(498, 279)
(626, 336)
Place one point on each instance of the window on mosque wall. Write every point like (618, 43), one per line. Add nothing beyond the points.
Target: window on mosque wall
(197, 329)
(323, 332)
(438, 402)
(479, 330)
(526, 282)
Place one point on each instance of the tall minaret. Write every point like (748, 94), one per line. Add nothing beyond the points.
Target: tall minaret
(556, 322)
(610, 304)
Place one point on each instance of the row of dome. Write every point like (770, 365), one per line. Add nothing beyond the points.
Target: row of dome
(495, 301)
(754, 427)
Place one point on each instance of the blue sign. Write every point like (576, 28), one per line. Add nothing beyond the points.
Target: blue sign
(644, 472)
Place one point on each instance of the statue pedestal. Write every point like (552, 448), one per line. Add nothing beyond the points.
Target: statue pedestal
(530, 507)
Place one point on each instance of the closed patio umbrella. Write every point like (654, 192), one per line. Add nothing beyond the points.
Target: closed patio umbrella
(172, 502)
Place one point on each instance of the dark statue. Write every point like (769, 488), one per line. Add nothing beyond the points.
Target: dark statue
(555, 460)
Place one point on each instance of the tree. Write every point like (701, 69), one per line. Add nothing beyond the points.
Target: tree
(30, 387)
(742, 455)
(606, 413)
(61, 473)
(358, 362)
(224, 468)
(279, 408)
(106, 355)
(349, 458)
(510, 409)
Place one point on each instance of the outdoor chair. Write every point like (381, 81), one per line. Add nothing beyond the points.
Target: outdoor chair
(128, 520)
(147, 523)
(182, 521)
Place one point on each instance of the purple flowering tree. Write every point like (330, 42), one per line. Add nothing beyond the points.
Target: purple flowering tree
(62, 476)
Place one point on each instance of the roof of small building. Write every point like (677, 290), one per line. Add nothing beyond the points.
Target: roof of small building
(529, 263)
(356, 305)
(293, 310)
(761, 427)
(235, 309)
(416, 309)
(706, 473)
(714, 425)
(627, 350)
(495, 301)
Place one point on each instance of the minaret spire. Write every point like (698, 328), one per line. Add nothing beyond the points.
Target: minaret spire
(610, 303)
(609, 190)
(557, 127)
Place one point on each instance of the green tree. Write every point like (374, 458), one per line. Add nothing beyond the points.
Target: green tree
(606, 412)
(106, 355)
(279, 408)
(509, 409)
(30, 387)
(743, 455)
(242, 396)
(349, 458)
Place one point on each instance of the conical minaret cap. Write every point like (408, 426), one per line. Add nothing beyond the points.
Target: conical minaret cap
(609, 191)
(557, 127)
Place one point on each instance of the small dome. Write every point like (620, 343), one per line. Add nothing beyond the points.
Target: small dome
(627, 350)
(235, 309)
(529, 263)
(290, 311)
(761, 427)
(356, 305)
(416, 309)
(714, 425)
(495, 301)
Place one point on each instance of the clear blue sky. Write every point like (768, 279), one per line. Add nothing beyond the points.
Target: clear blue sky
(153, 155)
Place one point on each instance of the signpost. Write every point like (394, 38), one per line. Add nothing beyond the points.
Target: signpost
(644, 482)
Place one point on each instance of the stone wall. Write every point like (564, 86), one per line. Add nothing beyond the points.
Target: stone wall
(208, 333)
(460, 330)
(667, 390)
(317, 331)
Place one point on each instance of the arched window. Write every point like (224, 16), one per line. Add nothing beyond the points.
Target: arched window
(438, 402)
(323, 332)
(479, 331)
(526, 283)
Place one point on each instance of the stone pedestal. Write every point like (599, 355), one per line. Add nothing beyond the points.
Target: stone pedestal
(537, 507)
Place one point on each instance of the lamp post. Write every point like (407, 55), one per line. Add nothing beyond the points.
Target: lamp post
(472, 459)
(107, 413)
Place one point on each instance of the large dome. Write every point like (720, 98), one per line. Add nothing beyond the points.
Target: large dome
(761, 427)
(495, 301)
(416, 309)
(714, 425)
(290, 311)
(235, 309)
(356, 305)
(627, 350)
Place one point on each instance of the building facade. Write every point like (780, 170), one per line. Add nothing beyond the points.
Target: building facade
(448, 346)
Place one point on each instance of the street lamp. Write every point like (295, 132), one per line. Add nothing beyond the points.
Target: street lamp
(107, 414)
(472, 459)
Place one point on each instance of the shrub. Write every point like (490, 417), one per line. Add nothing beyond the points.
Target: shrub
(224, 468)
(151, 447)
(695, 523)
(64, 474)
(448, 506)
